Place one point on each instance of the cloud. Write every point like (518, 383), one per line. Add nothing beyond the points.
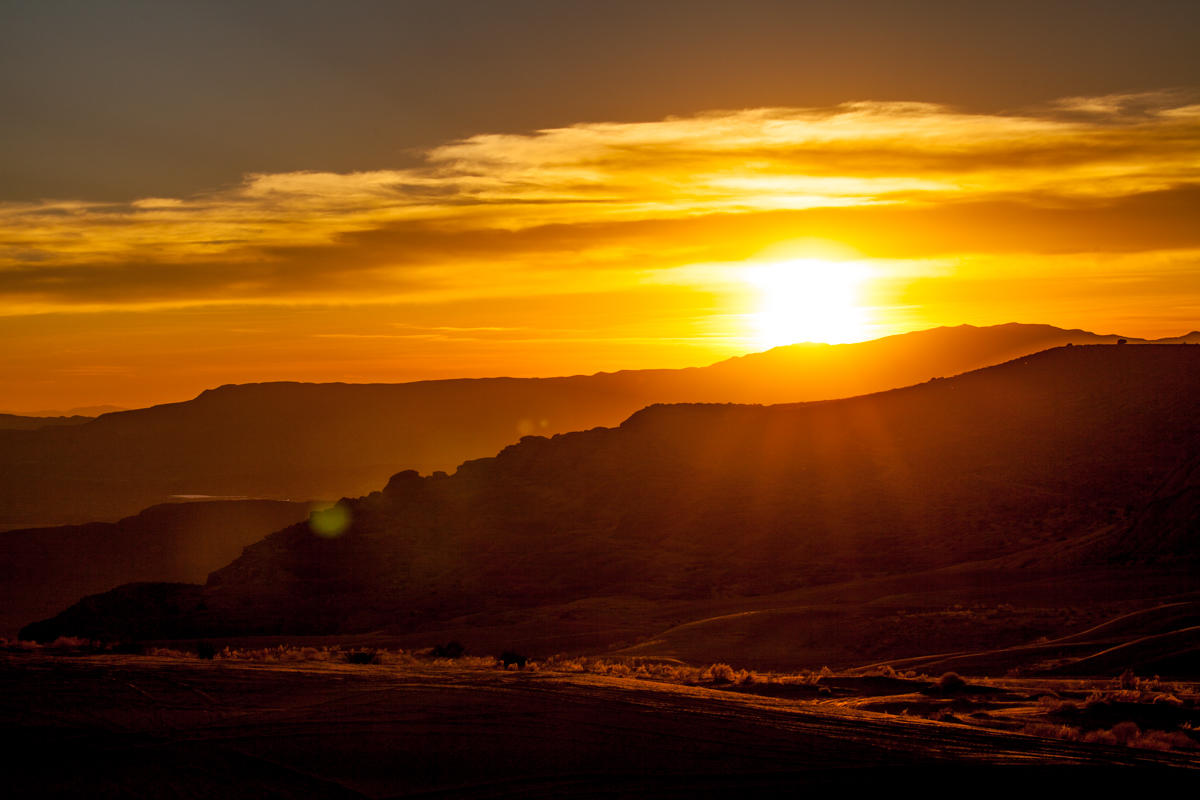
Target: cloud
(607, 202)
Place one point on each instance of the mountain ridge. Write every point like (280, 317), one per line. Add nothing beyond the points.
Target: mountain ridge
(687, 503)
(287, 440)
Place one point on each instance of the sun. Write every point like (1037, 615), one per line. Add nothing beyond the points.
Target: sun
(808, 300)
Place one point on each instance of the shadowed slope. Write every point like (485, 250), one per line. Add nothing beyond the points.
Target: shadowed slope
(43, 570)
(706, 501)
(1167, 528)
(289, 440)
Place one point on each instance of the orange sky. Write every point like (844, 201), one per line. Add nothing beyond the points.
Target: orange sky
(600, 246)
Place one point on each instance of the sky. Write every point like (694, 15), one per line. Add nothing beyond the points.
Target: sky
(194, 194)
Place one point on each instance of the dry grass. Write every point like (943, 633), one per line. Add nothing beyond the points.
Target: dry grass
(1123, 733)
(61, 643)
(1127, 711)
(717, 674)
(288, 654)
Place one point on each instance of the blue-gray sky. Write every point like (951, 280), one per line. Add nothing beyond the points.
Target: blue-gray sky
(113, 99)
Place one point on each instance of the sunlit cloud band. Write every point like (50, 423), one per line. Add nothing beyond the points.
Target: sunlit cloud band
(404, 231)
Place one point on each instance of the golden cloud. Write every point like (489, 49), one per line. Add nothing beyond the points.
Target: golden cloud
(895, 179)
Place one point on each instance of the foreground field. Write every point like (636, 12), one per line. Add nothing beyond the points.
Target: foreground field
(153, 726)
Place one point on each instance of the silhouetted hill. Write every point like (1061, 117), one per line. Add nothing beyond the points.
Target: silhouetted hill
(44, 570)
(701, 502)
(302, 441)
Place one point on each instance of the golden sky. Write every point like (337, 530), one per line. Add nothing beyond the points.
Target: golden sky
(607, 245)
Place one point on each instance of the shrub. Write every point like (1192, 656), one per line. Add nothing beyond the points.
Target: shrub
(1047, 731)
(1126, 732)
(1123, 733)
(951, 682)
(69, 643)
(364, 656)
(206, 650)
(449, 650)
(719, 673)
(510, 657)
(167, 652)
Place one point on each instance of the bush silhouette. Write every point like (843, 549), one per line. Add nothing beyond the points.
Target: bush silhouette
(449, 650)
(364, 656)
(509, 657)
(206, 650)
(951, 682)
(719, 673)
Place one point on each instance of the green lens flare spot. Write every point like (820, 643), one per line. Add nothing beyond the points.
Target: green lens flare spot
(330, 522)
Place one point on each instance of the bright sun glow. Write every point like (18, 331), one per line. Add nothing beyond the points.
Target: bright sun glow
(809, 300)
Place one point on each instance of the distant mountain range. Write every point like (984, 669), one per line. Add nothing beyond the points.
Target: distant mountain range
(17, 422)
(80, 411)
(1061, 461)
(302, 441)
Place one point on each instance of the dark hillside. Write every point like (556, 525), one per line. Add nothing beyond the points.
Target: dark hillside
(707, 501)
(303, 441)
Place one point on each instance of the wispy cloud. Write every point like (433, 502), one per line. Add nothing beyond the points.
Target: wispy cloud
(511, 213)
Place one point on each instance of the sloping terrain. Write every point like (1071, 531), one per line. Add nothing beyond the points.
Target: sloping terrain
(301, 441)
(1167, 528)
(713, 504)
(44, 570)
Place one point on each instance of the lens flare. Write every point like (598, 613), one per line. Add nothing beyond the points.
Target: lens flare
(331, 522)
